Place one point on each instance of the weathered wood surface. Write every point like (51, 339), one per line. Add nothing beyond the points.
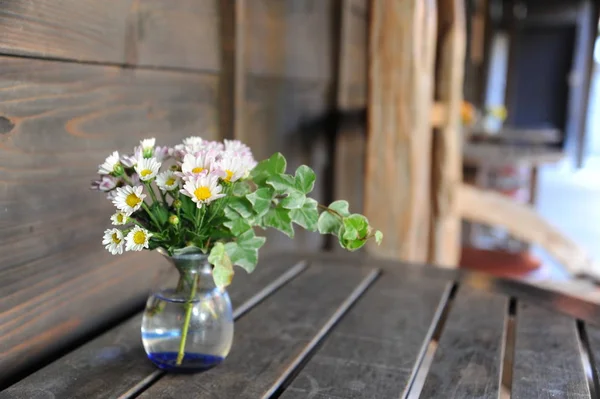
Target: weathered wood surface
(283, 115)
(497, 154)
(547, 360)
(180, 34)
(372, 352)
(593, 340)
(468, 360)
(59, 121)
(447, 141)
(350, 137)
(113, 363)
(289, 38)
(524, 223)
(271, 340)
(397, 179)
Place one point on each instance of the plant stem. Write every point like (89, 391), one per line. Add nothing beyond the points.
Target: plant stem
(186, 321)
(150, 214)
(151, 191)
(336, 213)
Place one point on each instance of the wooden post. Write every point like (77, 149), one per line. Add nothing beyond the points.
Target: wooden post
(447, 155)
(398, 164)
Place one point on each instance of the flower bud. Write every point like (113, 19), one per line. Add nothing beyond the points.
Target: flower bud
(118, 170)
(177, 204)
(175, 168)
(148, 152)
(174, 220)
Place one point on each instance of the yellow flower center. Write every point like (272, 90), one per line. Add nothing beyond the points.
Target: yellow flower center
(145, 172)
(170, 181)
(202, 193)
(120, 218)
(198, 169)
(116, 238)
(139, 237)
(132, 200)
(229, 175)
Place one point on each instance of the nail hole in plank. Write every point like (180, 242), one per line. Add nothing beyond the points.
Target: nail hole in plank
(311, 348)
(417, 379)
(588, 361)
(508, 351)
(260, 296)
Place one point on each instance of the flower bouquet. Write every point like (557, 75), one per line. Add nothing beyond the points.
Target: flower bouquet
(198, 204)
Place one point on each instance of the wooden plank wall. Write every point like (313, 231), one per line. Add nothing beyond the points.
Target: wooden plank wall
(80, 78)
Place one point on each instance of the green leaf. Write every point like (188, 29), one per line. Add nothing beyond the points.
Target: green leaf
(188, 207)
(240, 188)
(279, 218)
(355, 227)
(261, 200)
(378, 237)
(306, 216)
(160, 213)
(237, 226)
(267, 168)
(244, 251)
(305, 179)
(223, 269)
(330, 222)
(242, 206)
(250, 241)
(340, 207)
(282, 183)
(293, 200)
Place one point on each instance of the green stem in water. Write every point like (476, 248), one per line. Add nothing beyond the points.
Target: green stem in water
(186, 322)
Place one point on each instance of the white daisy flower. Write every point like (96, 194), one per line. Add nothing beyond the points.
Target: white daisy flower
(129, 199)
(202, 163)
(110, 165)
(167, 180)
(161, 153)
(147, 168)
(177, 152)
(106, 183)
(113, 241)
(147, 146)
(232, 167)
(203, 189)
(119, 218)
(137, 239)
(213, 146)
(237, 147)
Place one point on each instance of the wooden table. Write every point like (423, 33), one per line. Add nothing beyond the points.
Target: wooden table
(331, 326)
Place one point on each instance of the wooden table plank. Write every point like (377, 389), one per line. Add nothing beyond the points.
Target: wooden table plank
(547, 360)
(593, 337)
(272, 339)
(371, 352)
(115, 362)
(468, 360)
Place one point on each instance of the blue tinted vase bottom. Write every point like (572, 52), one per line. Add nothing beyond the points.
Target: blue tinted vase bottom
(192, 362)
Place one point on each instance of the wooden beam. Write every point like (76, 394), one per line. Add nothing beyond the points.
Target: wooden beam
(524, 223)
(447, 155)
(398, 163)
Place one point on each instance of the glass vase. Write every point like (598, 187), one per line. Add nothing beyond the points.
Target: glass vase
(188, 327)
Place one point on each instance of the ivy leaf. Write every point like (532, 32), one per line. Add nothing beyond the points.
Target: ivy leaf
(330, 222)
(223, 269)
(244, 251)
(293, 200)
(378, 237)
(261, 200)
(355, 227)
(282, 183)
(305, 179)
(279, 218)
(267, 168)
(237, 226)
(306, 216)
(240, 188)
(242, 206)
